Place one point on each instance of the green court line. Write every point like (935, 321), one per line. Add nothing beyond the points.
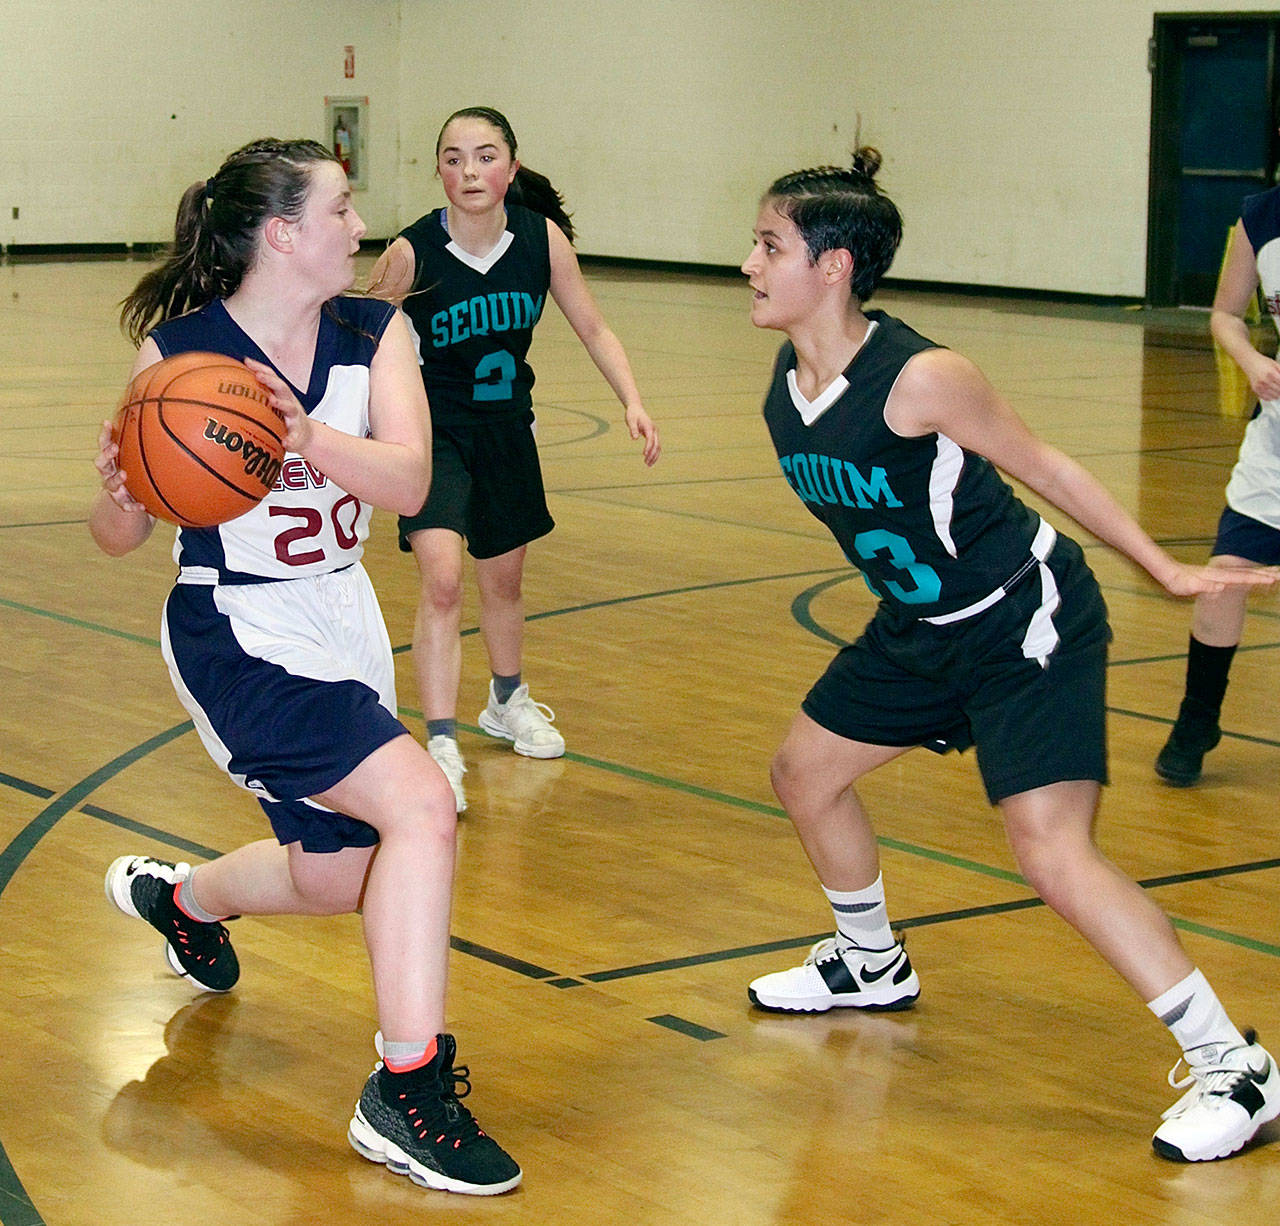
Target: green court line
(1230, 938)
(78, 623)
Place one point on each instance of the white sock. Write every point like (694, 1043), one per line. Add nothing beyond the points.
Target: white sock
(1195, 1017)
(186, 900)
(862, 919)
(402, 1057)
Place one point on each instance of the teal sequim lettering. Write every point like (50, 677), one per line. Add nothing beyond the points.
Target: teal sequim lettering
(875, 490)
(458, 319)
(828, 481)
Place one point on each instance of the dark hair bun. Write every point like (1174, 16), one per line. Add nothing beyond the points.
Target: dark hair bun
(866, 161)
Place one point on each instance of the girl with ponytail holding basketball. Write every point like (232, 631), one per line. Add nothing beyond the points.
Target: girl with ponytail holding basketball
(277, 647)
(991, 631)
(472, 278)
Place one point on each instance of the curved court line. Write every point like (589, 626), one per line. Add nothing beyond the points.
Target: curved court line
(802, 605)
(602, 425)
(636, 597)
(16, 1207)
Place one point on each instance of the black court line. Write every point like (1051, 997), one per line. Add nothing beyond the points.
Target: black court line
(17, 1207)
(151, 832)
(24, 785)
(681, 1026)
(1226, 732)
(946, 917)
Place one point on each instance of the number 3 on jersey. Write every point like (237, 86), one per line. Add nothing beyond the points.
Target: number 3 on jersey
(495, 374)
(927, 586)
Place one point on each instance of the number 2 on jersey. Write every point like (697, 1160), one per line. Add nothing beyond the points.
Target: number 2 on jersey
(495, 374)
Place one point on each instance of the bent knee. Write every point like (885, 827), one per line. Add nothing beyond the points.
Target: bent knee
(442, 593)
(330, 883)
(789, 779)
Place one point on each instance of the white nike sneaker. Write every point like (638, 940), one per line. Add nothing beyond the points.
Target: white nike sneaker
(1233, 1092)
(873, 979)
(523, 721)
(444, 750)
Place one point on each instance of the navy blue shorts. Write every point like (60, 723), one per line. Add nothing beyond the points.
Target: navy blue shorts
(905, 682)
(486, 485)
(1242, 537)
(291, 685)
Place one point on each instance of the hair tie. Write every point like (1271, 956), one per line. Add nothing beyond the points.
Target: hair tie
(208, 188)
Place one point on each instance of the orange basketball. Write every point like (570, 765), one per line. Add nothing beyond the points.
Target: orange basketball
(199, 440)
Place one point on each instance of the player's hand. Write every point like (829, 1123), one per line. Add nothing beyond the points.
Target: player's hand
(298, 427)
(1197, 580)
(107, 464)
(641, 425)
(1264, 377)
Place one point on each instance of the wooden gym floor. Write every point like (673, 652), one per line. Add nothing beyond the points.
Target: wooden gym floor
(612, 905)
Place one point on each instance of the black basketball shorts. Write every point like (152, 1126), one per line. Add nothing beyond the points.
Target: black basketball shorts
(907, 682)
(486, 485)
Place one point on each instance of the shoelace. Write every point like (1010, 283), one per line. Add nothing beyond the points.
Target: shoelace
(828, 947)
(422, 1109)
(525, 715)
(1206, 1081)
(821, 950)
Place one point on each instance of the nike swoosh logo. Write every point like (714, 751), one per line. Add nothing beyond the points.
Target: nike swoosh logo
(1248, 1093)
(870, 976)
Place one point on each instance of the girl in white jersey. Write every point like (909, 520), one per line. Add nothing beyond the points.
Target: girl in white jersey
(277, 648)
(473, 278)
(1013, 665)
(1249, 527)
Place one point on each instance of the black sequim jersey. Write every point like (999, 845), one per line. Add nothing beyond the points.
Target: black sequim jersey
(474, 316)
(933, 528)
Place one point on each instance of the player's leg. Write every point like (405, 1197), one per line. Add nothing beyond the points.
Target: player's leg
(1216, 628)
(862, 966)
(511, 713)
(409, 1115)
(1234, 1085)
(437, 647)
(264, 878)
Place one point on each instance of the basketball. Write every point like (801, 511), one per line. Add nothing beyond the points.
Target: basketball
(199, 441)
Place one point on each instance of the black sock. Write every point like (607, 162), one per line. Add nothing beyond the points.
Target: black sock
(1207, 671)
(504, 687)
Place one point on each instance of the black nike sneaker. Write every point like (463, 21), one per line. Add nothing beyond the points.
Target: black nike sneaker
(871, 979)
(415, 1124)
(145, 888)
(1233, 1092)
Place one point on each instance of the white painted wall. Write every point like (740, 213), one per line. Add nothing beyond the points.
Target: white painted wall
(1015, 132)
(112, 110)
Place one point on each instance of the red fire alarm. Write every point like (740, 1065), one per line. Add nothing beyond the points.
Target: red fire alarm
(349, 62)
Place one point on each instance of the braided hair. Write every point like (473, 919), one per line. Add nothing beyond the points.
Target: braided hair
(218, 229)
(834, 207)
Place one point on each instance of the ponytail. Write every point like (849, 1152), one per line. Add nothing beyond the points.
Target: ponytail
(536, 192)
(216, 233)
(189, 276)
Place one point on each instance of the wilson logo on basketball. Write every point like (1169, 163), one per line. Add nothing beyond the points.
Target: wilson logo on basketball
(243, 389)
(258, 461)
